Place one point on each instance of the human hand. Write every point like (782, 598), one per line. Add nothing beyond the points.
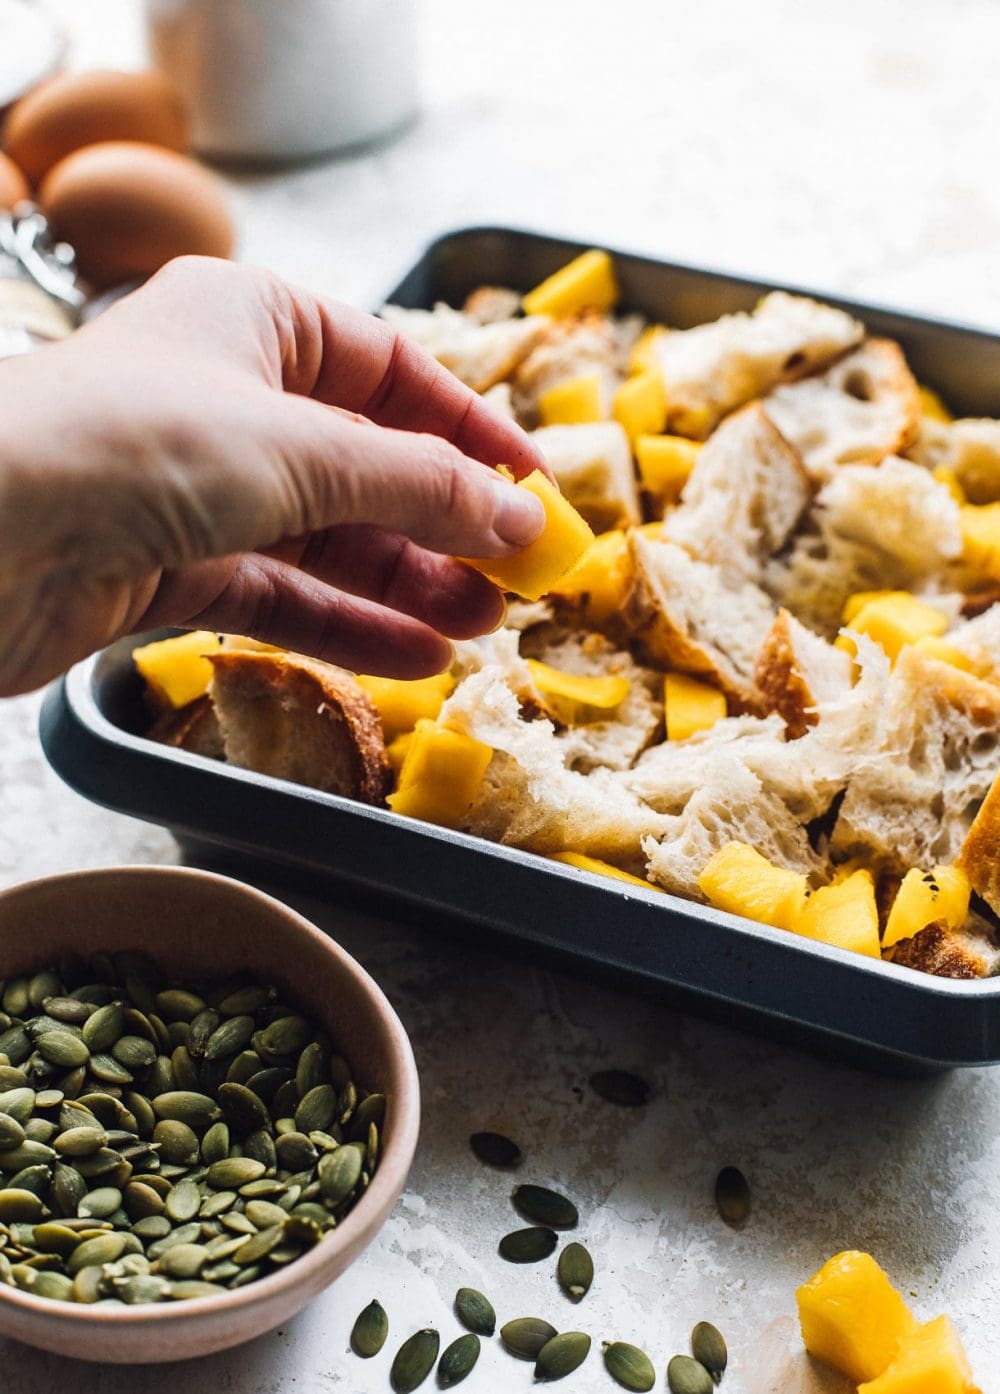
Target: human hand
(222, 450)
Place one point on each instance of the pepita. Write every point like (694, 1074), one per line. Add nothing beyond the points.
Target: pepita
(621, 1087)
(496, 1150)
(370, 1329)
(545, 1207)
(686, 1375)
(732, 1195)
(575, 1271)
(709, 1349)
(527, 1245)
(414, 1361)
(458, 1360)
(475, 1312)
(630, 1366)
(562, 1355)
(525, 1336)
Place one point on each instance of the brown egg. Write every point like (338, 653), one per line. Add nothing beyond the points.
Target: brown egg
(128, 208)
(13, 185)
(77, 109)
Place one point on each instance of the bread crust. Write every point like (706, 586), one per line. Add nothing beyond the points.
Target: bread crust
(935, 950)
(980, 854)
(781, 682)
(193, 728)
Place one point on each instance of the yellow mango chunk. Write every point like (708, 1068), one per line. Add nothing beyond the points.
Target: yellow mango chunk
(930, 1361)
(738, 879)
(440, 775)
(947, 476)
(640, 404)
(644, 357)
(981, 538)
(690, 706)
(572, 403)
(532, 572)
(855, 603)
(176, 670)
(665, 463)
(599, 868)
(600, 580)
(894, 620)
(402, 704)
(924, 897)
(852, 1317)
(575, 699)
(588, 282)
(932, 406)
(651, 530)
(945, 652)
(843, 914)
(395, 751)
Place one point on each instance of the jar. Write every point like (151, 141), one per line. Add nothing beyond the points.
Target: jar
(268, 81)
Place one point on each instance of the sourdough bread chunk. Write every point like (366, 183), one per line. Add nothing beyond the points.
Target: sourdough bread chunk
(967, 953)
(979, 640)
(913, 802)
(863, 408)
(492, 304)
(194, 728)
(970, 448)
(744, 497)
(296, 718)
(712, 369)
(567, 348)
(697, 618)
(592, 465)
(980, 854)
(479, 354)
(797, 671)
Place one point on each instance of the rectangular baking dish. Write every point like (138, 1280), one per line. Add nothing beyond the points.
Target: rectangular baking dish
(92, 726)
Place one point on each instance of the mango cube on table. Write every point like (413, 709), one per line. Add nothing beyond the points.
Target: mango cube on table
(534, 570)
(930, 1361)
(738, 879)
(177, 671)
(588, 282)
(893, 620)
(599, 868)
(852, 1317)
(640, 404)
(401, 704)
(690, 706)
(575, 402)
(665, 464)
(844, 914)
(440, 775)
(576, 699)
(925, 897)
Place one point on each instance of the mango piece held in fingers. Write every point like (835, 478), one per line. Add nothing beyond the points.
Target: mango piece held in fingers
(440, 775)
(574, 699)
(533, 571)
(588, 282)
(177, 670)
(852, 1317)
(738, 879)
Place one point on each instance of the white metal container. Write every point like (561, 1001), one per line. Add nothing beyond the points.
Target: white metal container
(279, 80)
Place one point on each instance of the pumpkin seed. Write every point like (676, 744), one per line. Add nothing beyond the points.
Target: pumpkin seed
(414, 1361)
(688, 1376)
(229, 1038)
(177, 1142)
(575, 1271)
(562, 1355)
(215, 1144)
(81, 1142)
(263, 1213)
(316, 1110)
(177, 1005)
(17, 1206)
(732, 1195)
(100, 1203)
(198, 1111)
(370, 1329)
(103, 1027)
(496, 1150)
(475, 1312)
(107, 1068)
(245, 1000)
(11, 1132)
(312, 1068)
(187, 1289)
(52, 1285)
(527, 1245)
(141, 1201)
(525, 1336)
(630, 1366)
(233, 1171)
(134, 1052)
(339, 1173)
(60, 1047)
(142, 1288)
(18, 1104)
(458, 1360)
(183, 1261)
(621, 1087)
(243, 1109)
(295, 1151)
(105, 1248)
(545, 1207)
(183, 1202)
(709, 1349)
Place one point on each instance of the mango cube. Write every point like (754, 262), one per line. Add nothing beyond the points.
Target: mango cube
(945, 475)
(177, 671)
(930, 1361)
(665, 463)
(981, 538)
(690, 706)
(574, 699)
(440, 775)
(402, 704)
(932, 406)
(395, 751)
(944, 652)
(640, 404)
(645, 351)
(925, 897)
(599, 868)
(894, 620)
(532, 572)
(572, 403)
(738, 879)
(600, 580)
(855, 603)
(852, 1317)
(843, 914)
(588, 282)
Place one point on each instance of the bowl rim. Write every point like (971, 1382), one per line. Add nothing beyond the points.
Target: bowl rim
(401, 1143)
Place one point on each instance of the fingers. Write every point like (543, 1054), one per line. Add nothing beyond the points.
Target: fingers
(394, 572)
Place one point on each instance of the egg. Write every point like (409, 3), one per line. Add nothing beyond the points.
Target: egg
(76, 109)
(127, 208)
(13, 185)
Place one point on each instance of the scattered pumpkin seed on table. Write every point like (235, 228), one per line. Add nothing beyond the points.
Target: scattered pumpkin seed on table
(414, 1361)
(458, 1360)
(709, 1348)
(685, 1375)
(545, 1207)
(495, 1150)
(575, 1271)
(148, 1149)
(629, 1366)
(732, 1195)
(475, 1312)
(621, 1087)
(525, 1336)
(528, 1245)
(368, 1335)
(562, 1355)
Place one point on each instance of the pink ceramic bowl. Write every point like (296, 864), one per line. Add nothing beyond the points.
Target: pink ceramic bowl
(201, 926)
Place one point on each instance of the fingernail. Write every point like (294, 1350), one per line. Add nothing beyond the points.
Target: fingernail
(518, 517)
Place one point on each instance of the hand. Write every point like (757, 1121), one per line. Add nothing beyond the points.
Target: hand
(222, 450)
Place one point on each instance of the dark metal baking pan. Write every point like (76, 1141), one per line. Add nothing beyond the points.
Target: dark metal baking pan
(93, 720)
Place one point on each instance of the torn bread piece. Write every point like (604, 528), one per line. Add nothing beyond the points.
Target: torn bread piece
(970, 448)
(797, 672)
(579, 346)
(980, 854)
(492, 304)
(744, 497)
(712, 369)
(479, 354)
(298, 719)
(863, 408)
(194, 728)
(979, 640)
(912, 802)
(689, 615)
(967, 953)
(592, 465)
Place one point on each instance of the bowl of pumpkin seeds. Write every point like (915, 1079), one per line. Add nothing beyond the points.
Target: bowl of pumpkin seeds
(207, 1110)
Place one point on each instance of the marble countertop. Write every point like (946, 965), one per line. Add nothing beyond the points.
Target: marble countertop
(851, 147)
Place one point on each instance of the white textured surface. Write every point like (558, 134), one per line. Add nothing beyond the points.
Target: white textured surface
(849, 146)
